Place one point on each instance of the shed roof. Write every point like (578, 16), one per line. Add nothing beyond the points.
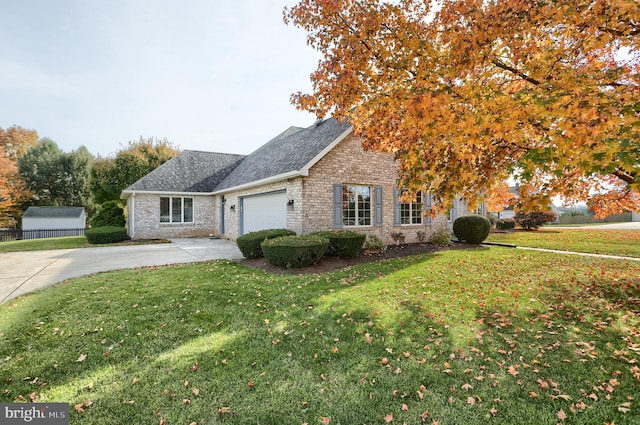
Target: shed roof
(53, 212)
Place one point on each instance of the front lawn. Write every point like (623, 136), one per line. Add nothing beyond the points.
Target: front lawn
(625, 243)
(495, 336)
(69, 242)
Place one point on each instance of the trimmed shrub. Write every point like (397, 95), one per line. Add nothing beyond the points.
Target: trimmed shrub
(505, 224)
(440, 236)
(533, 220)
(398, 237)
(249, 244)
(294, 251)
(472, 228)
(110, 214)
(374, 244)
(109, 234)
(343, 243)
(421, 235)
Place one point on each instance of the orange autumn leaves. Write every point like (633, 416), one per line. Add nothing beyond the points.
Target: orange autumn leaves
(467, 94)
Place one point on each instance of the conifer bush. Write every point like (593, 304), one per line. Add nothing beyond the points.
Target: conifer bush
(249, 244)
(343, 243)
(107, 234)
(110, 214)
(472, 228)
(505, 224)
(294, 251)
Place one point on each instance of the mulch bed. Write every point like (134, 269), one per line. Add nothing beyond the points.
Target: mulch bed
(327, 264)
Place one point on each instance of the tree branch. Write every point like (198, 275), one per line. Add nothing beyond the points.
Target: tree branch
(513, 70)
(626, 177)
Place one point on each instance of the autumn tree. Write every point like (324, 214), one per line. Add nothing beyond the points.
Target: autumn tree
(13, 193)
(57, 178)
(467, 93)
(110, 176)
(499, 197)
(14, 142)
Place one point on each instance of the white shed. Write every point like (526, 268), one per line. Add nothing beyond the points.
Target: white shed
(37, 218)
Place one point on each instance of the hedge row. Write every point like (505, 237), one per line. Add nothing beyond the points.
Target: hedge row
(107, 234)
(283, 248)
(249, 244)
(294, 251)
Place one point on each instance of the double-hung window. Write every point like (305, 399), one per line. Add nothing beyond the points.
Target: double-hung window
(411, 212)
(176, 210)
(356, 205)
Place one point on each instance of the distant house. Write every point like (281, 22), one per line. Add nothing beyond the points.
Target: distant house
(509, 212)
(49, 218)
(305, 179)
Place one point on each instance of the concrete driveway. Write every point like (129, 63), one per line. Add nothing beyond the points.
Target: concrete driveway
(24, 272)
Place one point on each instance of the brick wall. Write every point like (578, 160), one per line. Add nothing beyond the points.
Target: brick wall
(349, 163)
(146, 208)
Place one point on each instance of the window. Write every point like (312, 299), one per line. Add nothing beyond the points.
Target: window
(411, 212)
(176, 210)
(452, 214)
(356, 205)
(479, 210)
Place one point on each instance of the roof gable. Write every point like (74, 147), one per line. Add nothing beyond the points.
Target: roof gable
(291, 151)
(190, 171)
(53, 212)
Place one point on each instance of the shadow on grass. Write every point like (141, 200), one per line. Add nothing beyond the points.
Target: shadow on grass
(404, 337)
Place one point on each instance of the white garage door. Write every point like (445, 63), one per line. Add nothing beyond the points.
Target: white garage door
(267, 211)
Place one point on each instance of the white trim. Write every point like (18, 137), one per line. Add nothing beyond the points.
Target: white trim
(165, 193)
(132, 216)
(267, 180)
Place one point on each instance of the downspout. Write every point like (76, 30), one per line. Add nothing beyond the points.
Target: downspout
(131, 218)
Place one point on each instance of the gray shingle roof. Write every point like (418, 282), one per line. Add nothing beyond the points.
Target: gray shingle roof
(287, 152)
(206, 172)
(190, 171)
(53, 212)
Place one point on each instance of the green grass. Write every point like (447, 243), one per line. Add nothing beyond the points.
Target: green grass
(70, 242)
(625, 243)
(493, 336)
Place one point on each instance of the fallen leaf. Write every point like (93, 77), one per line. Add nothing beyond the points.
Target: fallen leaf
(82, 358)
(471, 400)
(195, 391)
(388, 418)
(325, 420)
(405, 407)
(561, 415)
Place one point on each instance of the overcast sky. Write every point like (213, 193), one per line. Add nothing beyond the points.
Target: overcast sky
(212, 75)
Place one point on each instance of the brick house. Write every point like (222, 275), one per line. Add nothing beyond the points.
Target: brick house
(305, 179)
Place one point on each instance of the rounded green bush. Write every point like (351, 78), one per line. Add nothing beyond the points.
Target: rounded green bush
(505, 224)
(472, 228)
(294, 251)
(108, 234)
(249, 244)
(343, 243)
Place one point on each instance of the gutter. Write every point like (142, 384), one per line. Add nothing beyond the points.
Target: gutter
(272, 179)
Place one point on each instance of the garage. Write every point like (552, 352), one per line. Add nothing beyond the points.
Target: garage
(265, 211)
